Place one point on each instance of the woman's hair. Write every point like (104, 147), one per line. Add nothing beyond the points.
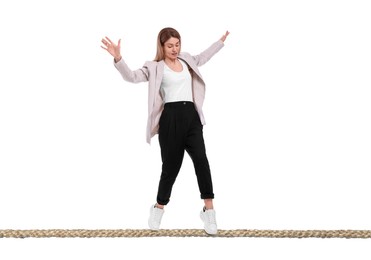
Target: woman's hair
(164, 35)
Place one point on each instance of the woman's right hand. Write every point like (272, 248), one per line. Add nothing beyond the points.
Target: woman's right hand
(112, 48)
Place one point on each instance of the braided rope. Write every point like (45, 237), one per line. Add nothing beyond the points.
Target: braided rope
(101, 233)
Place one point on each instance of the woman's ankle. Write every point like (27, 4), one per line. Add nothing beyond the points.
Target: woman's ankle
(208, 204)
(159, 206)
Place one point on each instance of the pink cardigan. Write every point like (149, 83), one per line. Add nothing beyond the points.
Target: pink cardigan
(152, 71)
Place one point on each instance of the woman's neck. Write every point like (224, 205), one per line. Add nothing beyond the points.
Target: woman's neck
(174, 64)
(171, 60)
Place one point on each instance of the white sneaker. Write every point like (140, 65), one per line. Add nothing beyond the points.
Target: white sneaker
(208, 217)
(155, 216)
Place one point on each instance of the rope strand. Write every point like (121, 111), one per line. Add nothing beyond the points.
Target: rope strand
(111, 233)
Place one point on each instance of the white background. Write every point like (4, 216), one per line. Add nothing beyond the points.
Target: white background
(288, 121)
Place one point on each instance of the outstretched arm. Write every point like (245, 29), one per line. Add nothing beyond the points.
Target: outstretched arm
(206, 55)
(112, 48)
(134, 76)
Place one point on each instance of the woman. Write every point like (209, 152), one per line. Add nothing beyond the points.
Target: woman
(175, 98)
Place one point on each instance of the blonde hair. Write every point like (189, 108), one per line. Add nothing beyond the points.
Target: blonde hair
(164, 35)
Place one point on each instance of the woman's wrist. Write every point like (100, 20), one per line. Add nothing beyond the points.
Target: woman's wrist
(117, 59)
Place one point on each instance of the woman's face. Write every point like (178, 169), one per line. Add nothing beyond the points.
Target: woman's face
(171, 48)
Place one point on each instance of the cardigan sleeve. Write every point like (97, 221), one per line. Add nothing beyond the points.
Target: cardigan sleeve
(206, 55)
(133, 76)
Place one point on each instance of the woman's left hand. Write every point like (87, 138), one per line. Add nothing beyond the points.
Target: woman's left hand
(224, 37)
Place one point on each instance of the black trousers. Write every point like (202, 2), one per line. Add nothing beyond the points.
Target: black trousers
(181, 130)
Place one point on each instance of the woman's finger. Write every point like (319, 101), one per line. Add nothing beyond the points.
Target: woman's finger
(109, 40)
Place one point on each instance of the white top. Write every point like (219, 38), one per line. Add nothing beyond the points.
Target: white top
(176, 86)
